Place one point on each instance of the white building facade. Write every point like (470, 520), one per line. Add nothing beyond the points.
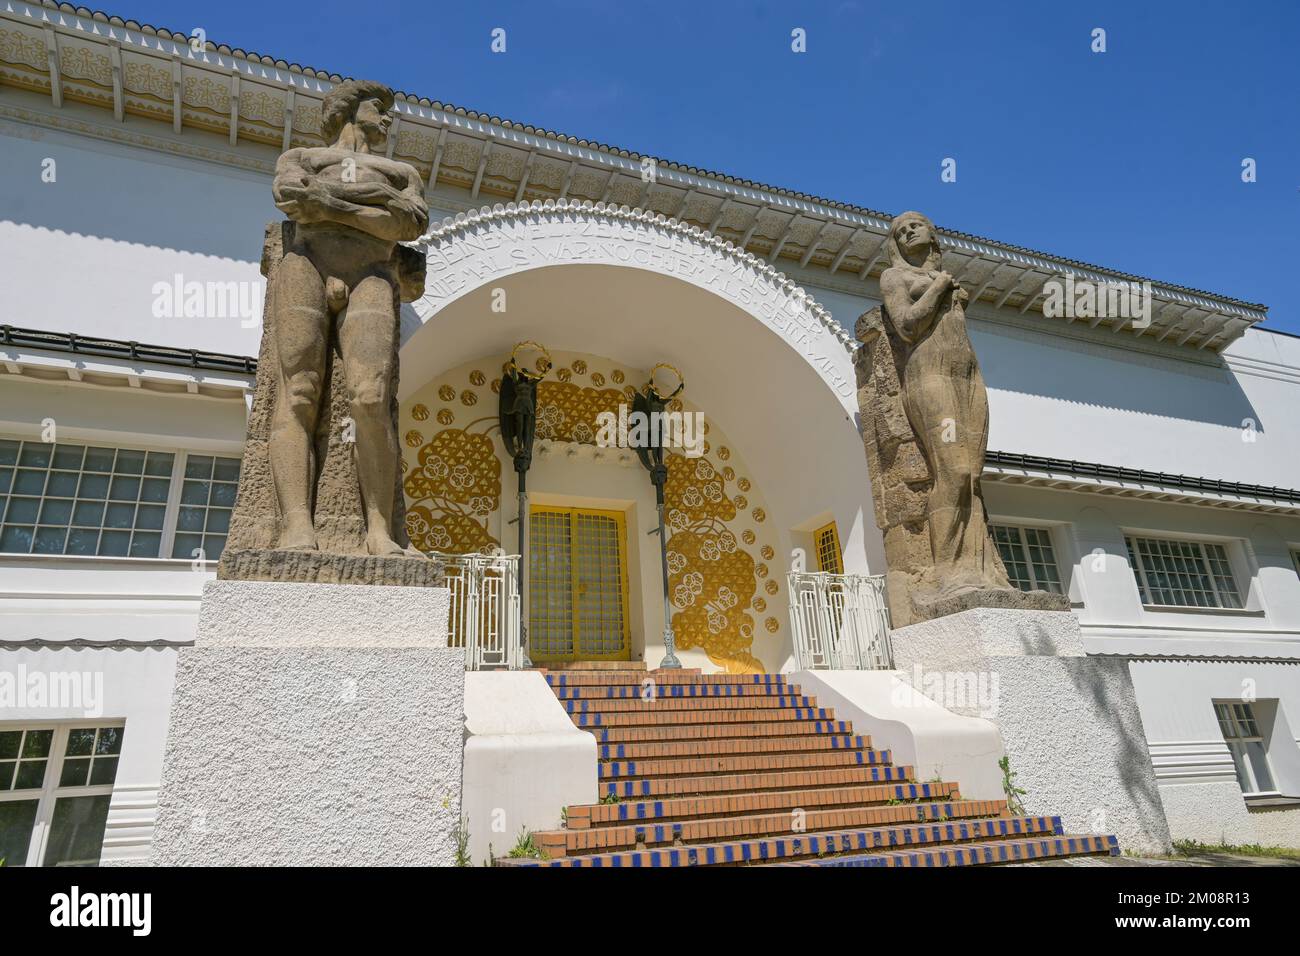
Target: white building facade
(1145, 467)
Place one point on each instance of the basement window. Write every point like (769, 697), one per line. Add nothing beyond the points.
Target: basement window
(1249, 752)
(56, 783)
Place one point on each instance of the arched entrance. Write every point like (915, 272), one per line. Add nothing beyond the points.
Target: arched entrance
(612, 292)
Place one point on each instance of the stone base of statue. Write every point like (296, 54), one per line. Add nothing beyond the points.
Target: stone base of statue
(1069, 722)
(320, 567)
(314, 725)
(927, 605)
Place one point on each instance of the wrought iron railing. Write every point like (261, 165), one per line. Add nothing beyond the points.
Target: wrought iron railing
(840, 621)
(485, 609)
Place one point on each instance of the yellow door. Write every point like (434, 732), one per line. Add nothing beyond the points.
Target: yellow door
(577, 585)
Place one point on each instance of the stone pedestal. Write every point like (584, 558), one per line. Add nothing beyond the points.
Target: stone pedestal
(314, 724)
(1069, 722)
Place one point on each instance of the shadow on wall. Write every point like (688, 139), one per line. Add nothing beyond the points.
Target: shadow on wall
(1061, 368)
(1093, 676)
(188, 207)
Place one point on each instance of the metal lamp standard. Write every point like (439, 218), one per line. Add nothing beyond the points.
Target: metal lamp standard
(517, 415)
(650, 403)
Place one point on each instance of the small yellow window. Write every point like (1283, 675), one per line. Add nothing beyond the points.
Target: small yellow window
(827, 542)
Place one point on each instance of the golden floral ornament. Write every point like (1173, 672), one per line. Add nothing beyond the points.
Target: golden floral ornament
(453, 486)
(570, 412)
(420, 412)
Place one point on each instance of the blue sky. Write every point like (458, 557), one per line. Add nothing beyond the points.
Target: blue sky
(1130, 158)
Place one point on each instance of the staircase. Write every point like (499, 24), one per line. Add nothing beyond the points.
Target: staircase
(726, 769)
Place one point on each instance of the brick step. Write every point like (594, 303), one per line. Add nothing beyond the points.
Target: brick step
(732, 804)
(732, 745)
(659, 716)
(637, 705)
(557, 843)
(979, 854)
(663, 678)
(586, 666)
(775, 780)
(675, 733)
(607, 692)
(816, 845)
(743, 763)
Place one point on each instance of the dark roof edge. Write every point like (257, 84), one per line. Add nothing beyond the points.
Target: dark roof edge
(1087, 469)
(74, 343)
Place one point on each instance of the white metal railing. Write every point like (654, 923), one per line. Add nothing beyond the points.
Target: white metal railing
(484, 608)
(840, 621)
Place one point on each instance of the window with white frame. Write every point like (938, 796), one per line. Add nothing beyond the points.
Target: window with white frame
(74, 499)
(1176, 573)
(1028, 556)
(56, 782)
(1249, 750)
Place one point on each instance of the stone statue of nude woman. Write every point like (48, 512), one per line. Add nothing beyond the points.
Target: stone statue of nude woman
(946, 403)
(341, 276)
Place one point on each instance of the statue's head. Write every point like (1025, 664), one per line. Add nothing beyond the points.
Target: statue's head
(913, 240)
(363, 106)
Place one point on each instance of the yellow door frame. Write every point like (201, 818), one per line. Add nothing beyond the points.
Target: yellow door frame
(579, 653)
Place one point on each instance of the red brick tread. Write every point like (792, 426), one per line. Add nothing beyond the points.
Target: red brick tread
(772, 780)
(751, 802)
(664, 678)
(731, 745)
(816, 845)
(718, 731)
(980, 854)
(556, 843)
(743, 763)
(652, 716)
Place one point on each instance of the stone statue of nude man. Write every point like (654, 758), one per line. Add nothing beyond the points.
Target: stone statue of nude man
(341, 277)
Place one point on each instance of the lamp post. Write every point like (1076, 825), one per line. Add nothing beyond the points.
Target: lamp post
(650, 403)
(517, 414)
